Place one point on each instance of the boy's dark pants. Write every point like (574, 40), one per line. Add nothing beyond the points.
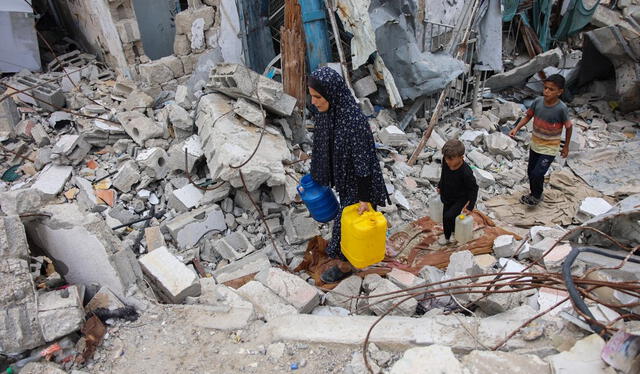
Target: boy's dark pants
(537, 168)
(449, 213)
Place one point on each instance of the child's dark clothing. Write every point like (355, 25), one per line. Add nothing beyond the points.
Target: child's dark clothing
(457, 187)
(548, 122)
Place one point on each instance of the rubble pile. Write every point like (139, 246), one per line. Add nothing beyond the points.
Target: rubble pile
(177, 190)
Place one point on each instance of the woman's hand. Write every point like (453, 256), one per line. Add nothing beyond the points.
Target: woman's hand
(363, 207)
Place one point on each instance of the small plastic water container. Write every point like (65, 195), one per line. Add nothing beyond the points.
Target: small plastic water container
(464, 228)
(320, 200)
(435, 209)
(363, 237)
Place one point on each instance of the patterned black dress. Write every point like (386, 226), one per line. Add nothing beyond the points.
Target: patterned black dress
(343, 151)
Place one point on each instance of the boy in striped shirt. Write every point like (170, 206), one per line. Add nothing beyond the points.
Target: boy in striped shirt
(550, 115)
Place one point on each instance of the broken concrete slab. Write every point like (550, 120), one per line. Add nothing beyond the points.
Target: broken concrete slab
(139, 127)
(393, 136)
(239, 81)
(234, 246)
(60, 312)
(592, 207)
(436, 358)
(299, 227)
(188, 228)
(291, 288)
(431, 172)
(173, 280)
(520, 74)
(102, 259)
(491, 362)
(52, 179)
(13, 239)
(475, 137)
(351, 287)
(268, 305)
(128, 174)
(137, 100)
(227, 141)
(251, 264)
(250, 111)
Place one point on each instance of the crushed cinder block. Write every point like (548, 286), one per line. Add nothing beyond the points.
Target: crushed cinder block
(153, 163)
(250, 111)
(291, 288)
(234, 246)
(52, 179)
(173, 280)
(479, 159)
(591, 207)
(462, 263)
(438, 358)
(104, 299)
(268, 305)
(139, 127)
(393, 136)
(70, 149)
(299, 227)
(504, 246)
(154, 238)
(484, 178)
(239, 81)
(60, 312)
(188, 228)
(351, 287)
(185, 198)
(128, 174)
(491, 362)
(39, 135)
(250, 264)
(176, 154)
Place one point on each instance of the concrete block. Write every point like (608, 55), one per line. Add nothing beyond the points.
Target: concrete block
(393, 136)
(154, 238)
(268, 305)
(128, 174)
(137, 100)
(436, 141)
(185, 198)
(291, 288)
(101, 258)
(13, 239)
(184, 20)
(239, 81)
(431, 172)
(251, 264)
(365, 86)
(104, 299)
(47, 95)
(350, 286)
(250, 111)
(70, 149)
(491, 362)
(438, 358)
(172, 279)
(299, 227)
(384, 286)
(60, 312)
(153, 163)
(554, 259)
(504, 246)
(176, 154)
(188, 228)
(591, 207)
(21, 201)
(234, 246)
(404, 279)
(484, 178)
(462, 263)
(501, 144)
(479, 159)
(139, 127)
(181, 45)
(52, 179)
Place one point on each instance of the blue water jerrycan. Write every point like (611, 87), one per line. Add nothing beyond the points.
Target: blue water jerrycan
(320, 200)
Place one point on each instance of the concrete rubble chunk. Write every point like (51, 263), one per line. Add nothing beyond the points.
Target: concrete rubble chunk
(234, 246)
(185, 198)
(575, 360)
(268, 305)
(137, 100)
(504, 246)
(13, 239)
(181, 121)
(250, 111)
(365, 86)
(431, 172)
(193, 147)
(462, 263)
(436, 141)
(86, 196)
(479, 159)
(155, 72)
(350, 286)
(555, 257)
(102, 260)
(475, 137)
(291, 288)
(484, 178)
(299, 227)
(153, 163)
(404, 279)
(21, 201)
(9, 118)
(185, 19)
(103, 299)
(45, 95)
(431, 274)
(154, 238)
(188, 228)
(52, 179)
(128, 174)
(227, 140)
(592, 207)
(437, 358)
(40, 135)
(384, 286)
(501, 144)
(251, 264)
(139, 127)
(489, 362)
(173, 280)
(501, 302)
(239, 81)
(520, 74)
(60, 312)
(508, 111)
(70, 149)
(393, 136)
(183, 97)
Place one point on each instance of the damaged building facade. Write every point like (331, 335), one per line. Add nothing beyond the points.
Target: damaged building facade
(151, 154)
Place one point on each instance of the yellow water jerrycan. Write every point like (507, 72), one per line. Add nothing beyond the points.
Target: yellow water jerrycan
(363, 237)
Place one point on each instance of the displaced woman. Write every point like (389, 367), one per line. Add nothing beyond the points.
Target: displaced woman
(343, 156)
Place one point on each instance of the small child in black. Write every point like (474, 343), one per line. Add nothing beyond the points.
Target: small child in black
(457, 187)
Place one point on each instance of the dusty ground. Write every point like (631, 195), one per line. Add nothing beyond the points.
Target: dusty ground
(163, 341)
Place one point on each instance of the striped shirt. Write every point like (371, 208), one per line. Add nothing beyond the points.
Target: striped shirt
(547, 126)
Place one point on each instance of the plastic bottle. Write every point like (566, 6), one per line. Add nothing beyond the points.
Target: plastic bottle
(464, 229)
(435, 209)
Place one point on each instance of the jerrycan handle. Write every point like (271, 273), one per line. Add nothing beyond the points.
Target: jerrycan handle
(300, 189)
